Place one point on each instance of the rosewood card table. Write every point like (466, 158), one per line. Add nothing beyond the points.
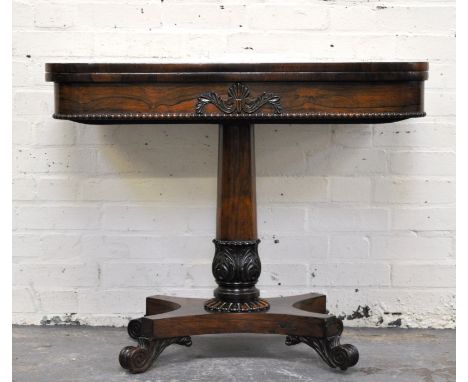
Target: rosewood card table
(236, 96)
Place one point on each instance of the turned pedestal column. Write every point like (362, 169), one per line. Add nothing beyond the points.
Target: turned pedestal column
(236, 264)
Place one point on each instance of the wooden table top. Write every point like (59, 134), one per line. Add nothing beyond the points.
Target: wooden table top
(265, 92)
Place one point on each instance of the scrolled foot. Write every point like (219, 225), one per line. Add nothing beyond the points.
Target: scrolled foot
(344, 356)
(138, 359)
(329, 349)
(134, 328)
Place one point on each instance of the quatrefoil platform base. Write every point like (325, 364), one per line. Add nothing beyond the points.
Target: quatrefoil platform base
(173, 320)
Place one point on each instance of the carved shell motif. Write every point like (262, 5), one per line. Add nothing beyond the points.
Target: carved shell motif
(238, 101)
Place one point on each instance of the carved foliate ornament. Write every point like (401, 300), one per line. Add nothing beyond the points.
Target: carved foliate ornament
(238, 101)
(236, 261)
(236, 268)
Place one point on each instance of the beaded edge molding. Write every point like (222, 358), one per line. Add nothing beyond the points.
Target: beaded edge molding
(213, 116)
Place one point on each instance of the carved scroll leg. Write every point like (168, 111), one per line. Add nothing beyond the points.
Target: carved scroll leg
(329, 349)
(138, 359)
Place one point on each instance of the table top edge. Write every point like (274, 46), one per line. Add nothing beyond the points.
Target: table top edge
(291, 67)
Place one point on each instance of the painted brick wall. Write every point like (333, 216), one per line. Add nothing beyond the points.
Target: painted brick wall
(106, 215)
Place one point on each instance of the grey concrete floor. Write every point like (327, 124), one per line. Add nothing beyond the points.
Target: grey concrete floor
(90, 354)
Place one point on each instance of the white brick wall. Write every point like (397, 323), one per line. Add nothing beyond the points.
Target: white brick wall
(106, 215)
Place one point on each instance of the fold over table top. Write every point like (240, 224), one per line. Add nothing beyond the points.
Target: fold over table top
(276, 92)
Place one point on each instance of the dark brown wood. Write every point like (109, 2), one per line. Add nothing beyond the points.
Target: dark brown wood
(306, 93)
(236, 211)
(236, 96)
(138, 359)
(313, 327)
(283, 317)
(236, 264)
(236, 269)
(346, 71)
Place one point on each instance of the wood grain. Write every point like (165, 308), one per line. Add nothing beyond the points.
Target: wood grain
(286, 316)
(236, 210)
(308, 92)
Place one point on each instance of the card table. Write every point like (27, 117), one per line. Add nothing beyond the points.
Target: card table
(237, 96)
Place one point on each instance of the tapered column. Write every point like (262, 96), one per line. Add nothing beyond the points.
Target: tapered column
(236, 264)
(237, 205)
